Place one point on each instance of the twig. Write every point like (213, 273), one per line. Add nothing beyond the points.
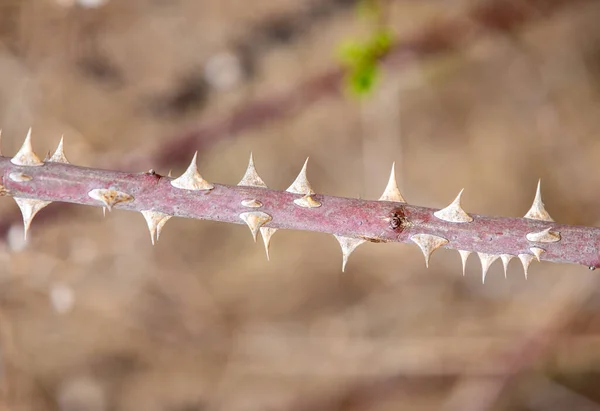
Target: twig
(34, 184)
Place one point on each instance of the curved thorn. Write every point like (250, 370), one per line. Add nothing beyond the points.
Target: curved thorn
(155, 221)
(537, 252)
(251, 177)
(486, 261)
(391, 192)
(191, 178)
(25, 156)
(266, 234)
(428, 244)
(505, 261)
(454, 212)
(301, 184)
(29, 208)
(464, 256)
(348, 245)
(59, 154)
(544, 236)
(526, 260)
(109, 197)
(255, 220)
(537, 210)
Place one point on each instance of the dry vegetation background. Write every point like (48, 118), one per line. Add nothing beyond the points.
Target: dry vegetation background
(93, 318)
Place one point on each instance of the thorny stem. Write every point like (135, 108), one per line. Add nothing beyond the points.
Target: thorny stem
(501, 15)
(34, 184)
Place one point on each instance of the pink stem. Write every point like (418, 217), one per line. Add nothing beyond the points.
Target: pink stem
(368, 220)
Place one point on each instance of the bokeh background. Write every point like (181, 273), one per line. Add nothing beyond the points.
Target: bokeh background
(486, 95)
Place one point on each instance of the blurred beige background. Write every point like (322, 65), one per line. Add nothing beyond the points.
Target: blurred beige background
(93, 318)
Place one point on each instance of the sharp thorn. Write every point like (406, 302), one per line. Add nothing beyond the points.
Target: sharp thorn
(454, 212)
(251, 203)
(301, 184)
(251, 177)
(109, 197)
(191, 178)
(307, 202)
(59, 154)
(348, 245)
(25, 156)
(266, 234)
(505, 260)
(255, 220)
(29, 208)
(537, 252)
(486, 261)
(391, 192)
(428, 244)
(544, 236)
(537, 210)
(464, 256)
(155, 221)
(526, 260)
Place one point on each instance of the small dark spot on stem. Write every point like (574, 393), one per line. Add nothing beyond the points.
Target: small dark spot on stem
(398, 219)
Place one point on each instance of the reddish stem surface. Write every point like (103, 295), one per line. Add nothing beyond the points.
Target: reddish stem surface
(337, 215)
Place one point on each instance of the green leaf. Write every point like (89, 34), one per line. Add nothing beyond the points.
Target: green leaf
(361, 80)
(380, 43)
(351, 53)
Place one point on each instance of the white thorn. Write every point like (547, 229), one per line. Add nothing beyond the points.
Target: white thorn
(505, 260)
(156, 221)
(251, 203)
(486, 261)
(104, 212)
(537, 210)
(307, 202)
(391, 192)
(59, 154)
(526, 260)
(301, 184)
(19, 177)
(428, 244)
(348, 245)
(544, 236)
(25, 156)
(454, 212)
(191, 178)
(29, 208)
(266, 234)
(109, 197)
(251, 177)
(464, 256)
(537, 252)
(170, 175)
(255, 220)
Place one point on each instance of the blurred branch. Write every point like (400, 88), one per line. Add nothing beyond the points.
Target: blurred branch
(480, 368)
